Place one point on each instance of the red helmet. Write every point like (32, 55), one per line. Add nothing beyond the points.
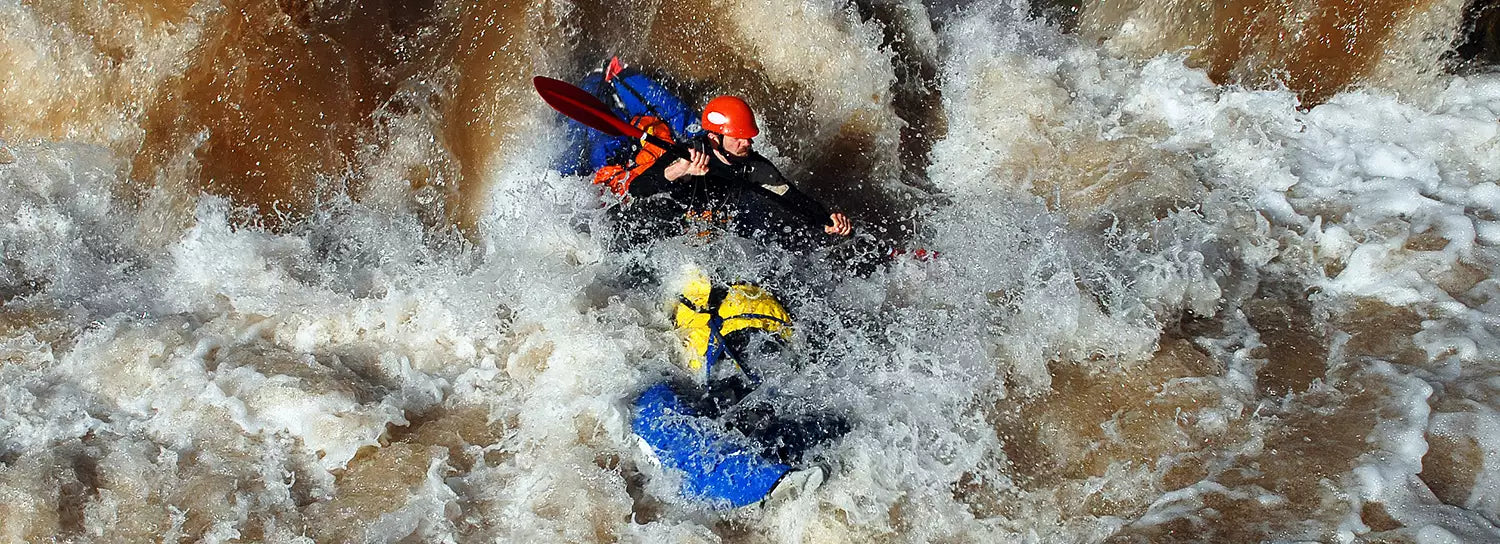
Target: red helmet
(730, 116)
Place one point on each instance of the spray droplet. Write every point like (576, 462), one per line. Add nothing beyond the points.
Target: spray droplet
(425, 195)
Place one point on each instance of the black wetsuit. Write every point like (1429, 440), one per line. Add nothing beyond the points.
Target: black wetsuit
(748, 197)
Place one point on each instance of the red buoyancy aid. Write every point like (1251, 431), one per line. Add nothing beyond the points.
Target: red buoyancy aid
(618, 177)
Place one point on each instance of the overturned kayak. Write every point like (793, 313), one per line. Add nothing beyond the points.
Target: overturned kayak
(718, 466)
(732, 440)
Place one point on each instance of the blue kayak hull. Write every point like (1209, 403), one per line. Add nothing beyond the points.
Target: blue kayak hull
(718, 466)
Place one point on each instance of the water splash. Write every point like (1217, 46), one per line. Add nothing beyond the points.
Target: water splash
(1166, 307)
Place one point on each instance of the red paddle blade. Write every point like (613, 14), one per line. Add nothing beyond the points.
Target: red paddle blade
(583, 107)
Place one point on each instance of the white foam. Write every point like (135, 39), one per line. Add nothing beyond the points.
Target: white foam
(278, 356)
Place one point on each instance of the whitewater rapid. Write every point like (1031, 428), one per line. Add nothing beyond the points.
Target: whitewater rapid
(1165, 309)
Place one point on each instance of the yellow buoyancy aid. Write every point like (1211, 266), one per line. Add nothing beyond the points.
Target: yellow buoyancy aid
(706, 313)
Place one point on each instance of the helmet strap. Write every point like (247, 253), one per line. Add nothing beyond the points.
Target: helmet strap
(718, 144)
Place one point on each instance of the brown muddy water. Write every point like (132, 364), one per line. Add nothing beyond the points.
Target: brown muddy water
(302, 271)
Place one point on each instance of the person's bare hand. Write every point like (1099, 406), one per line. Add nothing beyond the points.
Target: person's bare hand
(698, 165)
(840, 226)
(695, 165)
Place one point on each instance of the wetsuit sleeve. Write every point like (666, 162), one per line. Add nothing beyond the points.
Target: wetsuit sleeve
(765, 177)
(801, 204)
(652, 181)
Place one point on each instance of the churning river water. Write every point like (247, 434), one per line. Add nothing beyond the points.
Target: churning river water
(302, 270)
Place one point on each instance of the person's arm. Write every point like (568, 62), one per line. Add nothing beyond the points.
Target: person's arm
(650, 182)
(765, 177)
(695, 165)
(798, 203)
(662, 176)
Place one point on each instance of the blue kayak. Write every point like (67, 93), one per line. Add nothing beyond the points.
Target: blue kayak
(718, 466)
(629, 93)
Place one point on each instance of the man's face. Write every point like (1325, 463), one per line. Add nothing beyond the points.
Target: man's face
(739, 147)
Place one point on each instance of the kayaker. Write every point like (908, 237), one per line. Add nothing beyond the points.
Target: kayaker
(722, 422)
(724, 183)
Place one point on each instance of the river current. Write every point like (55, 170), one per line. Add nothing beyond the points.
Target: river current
(304, 271)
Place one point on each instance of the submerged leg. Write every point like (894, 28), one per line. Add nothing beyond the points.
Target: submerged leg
(786, 439)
